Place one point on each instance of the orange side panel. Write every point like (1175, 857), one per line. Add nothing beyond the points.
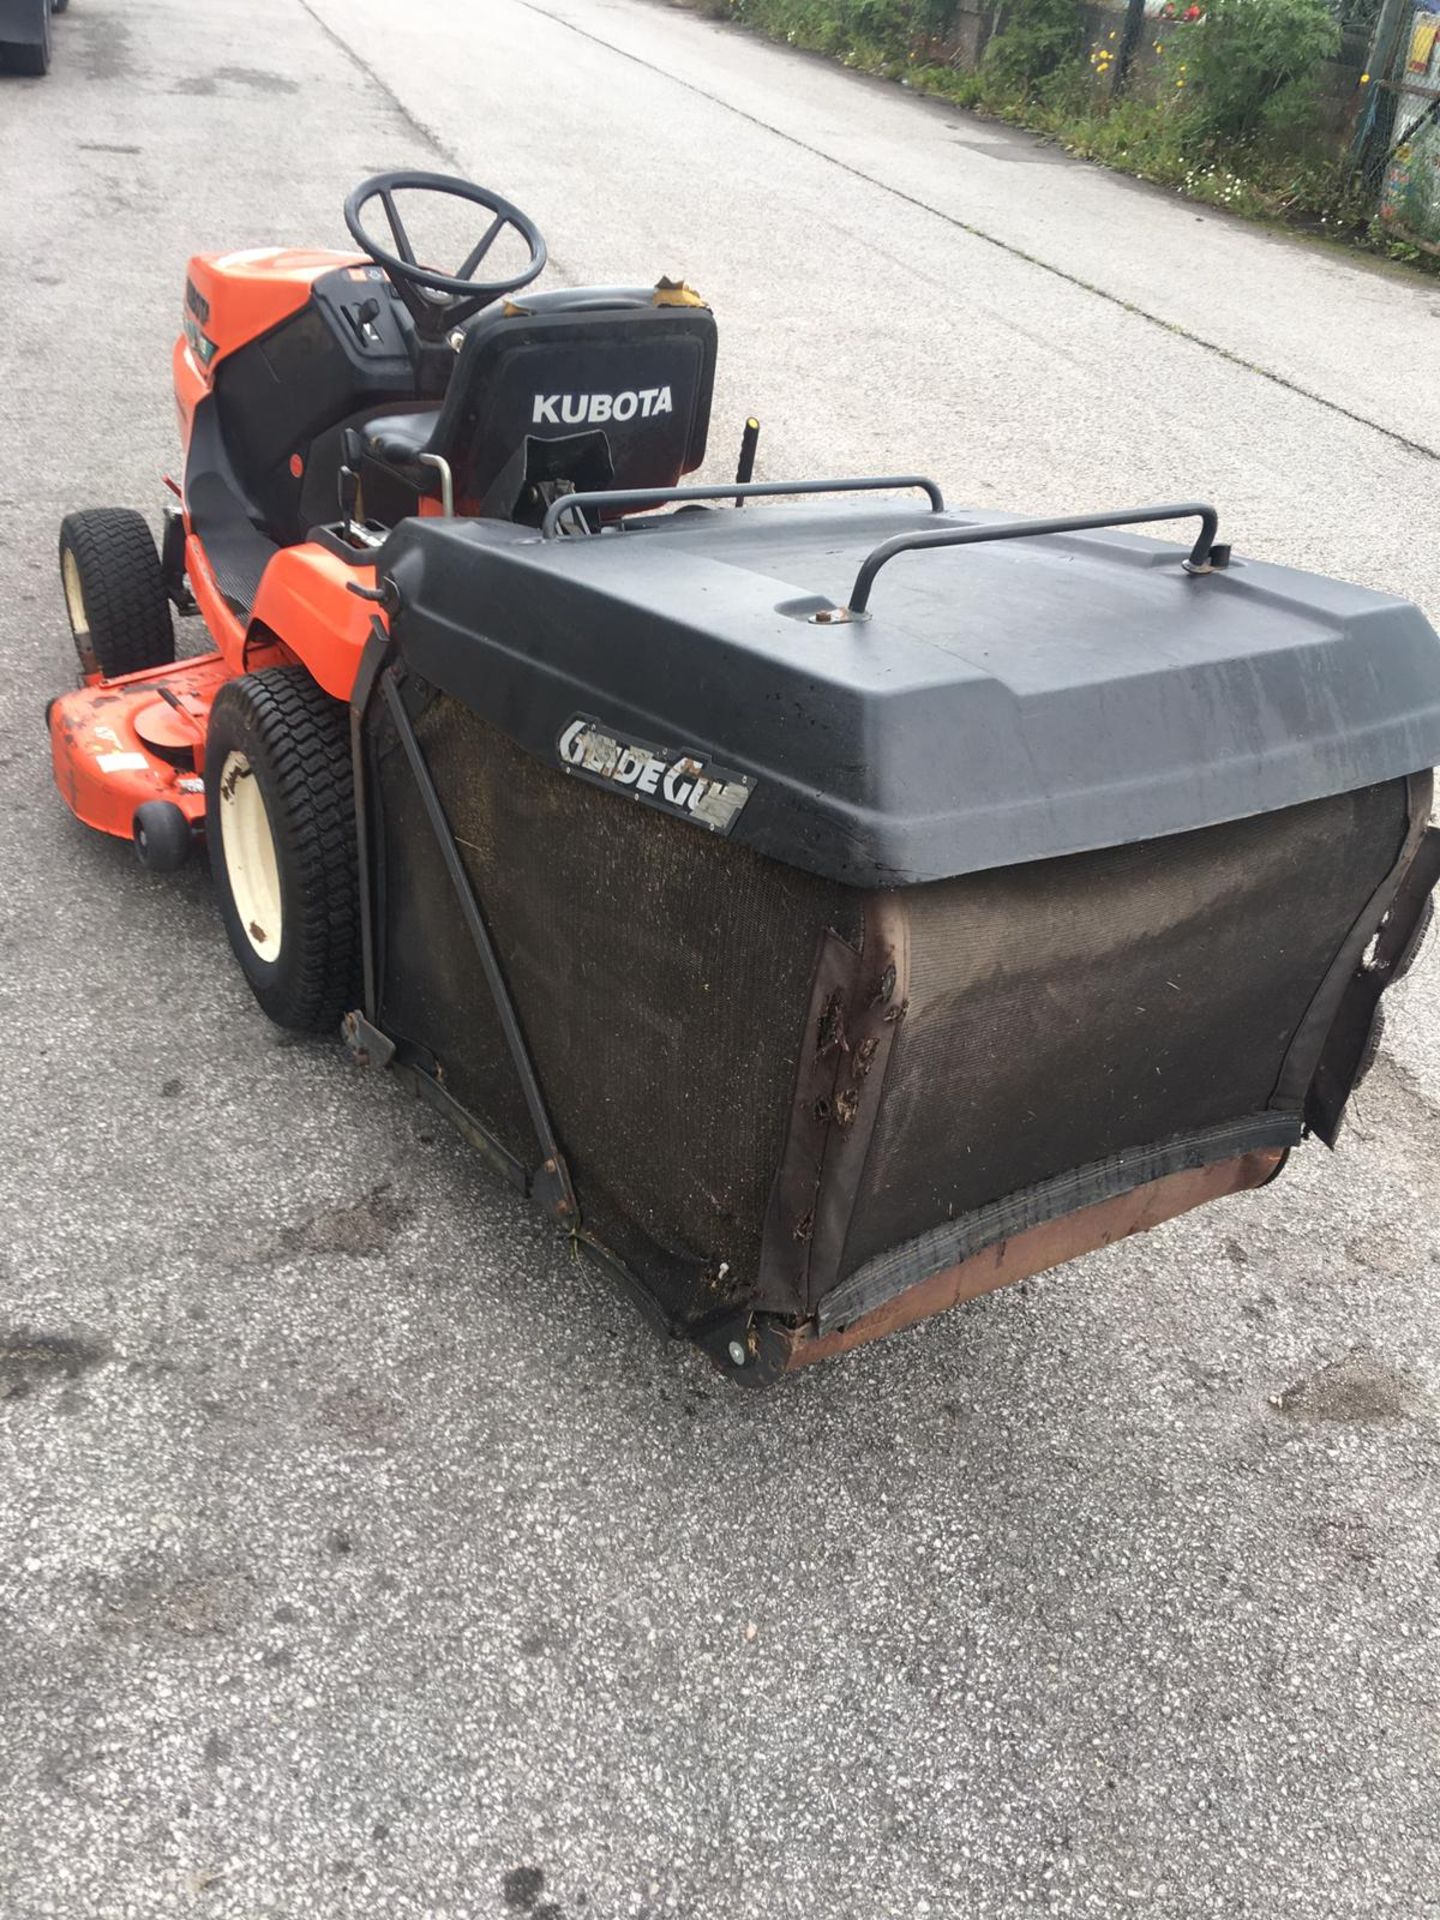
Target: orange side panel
(232, 298)
(305, 602)
(191, 385)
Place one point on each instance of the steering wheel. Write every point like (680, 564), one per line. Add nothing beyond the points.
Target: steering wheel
(439, 301)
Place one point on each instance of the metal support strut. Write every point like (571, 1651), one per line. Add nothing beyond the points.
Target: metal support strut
(550, 1182)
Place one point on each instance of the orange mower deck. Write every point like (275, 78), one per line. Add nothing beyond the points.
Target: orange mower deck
(117, 744)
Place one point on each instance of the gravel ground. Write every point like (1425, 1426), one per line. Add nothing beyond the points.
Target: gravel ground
(359, 1553)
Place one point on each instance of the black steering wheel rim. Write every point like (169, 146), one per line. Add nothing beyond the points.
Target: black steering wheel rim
(461, 289)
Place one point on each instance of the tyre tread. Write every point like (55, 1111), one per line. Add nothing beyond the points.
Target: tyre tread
(303, 738)
(124, 589)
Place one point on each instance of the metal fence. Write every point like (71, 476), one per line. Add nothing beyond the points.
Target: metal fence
(1397, 143)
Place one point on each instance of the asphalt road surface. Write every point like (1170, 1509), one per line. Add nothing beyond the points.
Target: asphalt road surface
(360, 1555)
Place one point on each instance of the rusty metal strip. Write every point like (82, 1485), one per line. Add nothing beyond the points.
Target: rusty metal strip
(1048, 1244)
(785, 1248)
(877, 1008)
(896, 1271)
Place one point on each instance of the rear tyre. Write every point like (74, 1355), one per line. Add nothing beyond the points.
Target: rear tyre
(280, 821)
(114, 592)
(162, 836)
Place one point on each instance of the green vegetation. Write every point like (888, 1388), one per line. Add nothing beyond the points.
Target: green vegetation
(1224, 107)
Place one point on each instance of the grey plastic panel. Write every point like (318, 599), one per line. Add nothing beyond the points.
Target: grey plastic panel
(1002, 703)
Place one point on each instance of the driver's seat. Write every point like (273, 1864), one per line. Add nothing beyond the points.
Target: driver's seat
(590, 389)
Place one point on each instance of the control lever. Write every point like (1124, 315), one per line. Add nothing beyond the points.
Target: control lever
(347, 481)
(362, 319)
(348, 486)
(749, 441)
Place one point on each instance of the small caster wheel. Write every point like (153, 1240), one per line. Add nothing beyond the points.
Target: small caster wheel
(162, 836)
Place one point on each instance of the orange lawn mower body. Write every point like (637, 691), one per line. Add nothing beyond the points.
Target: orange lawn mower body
(127, 740)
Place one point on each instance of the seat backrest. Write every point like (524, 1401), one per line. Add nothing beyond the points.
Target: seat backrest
(609, 388)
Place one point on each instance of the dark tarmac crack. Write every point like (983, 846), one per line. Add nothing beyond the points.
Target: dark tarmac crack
(29, 1358)
(416, 125)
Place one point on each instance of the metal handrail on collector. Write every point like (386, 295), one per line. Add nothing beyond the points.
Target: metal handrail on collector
(581, 503)
(1204, 557)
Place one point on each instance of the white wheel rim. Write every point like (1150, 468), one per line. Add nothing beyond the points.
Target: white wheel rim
(74, 597)
(248, 847)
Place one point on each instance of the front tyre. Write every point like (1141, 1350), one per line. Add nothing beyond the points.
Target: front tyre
(280, 822)
(114, 592)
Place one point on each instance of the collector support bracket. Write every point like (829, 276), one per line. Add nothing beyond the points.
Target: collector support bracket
(549, 1183)
(370, 1046)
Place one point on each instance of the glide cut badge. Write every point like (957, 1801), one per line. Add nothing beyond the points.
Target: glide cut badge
(684, 784)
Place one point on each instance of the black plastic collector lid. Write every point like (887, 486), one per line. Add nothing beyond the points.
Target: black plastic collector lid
(996, 703)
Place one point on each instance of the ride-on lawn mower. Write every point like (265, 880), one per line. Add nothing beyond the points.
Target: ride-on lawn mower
(828, 913)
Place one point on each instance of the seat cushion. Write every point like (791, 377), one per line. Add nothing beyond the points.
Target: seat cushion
(399, 438)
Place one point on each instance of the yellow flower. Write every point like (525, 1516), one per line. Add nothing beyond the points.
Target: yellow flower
(1364, 79)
